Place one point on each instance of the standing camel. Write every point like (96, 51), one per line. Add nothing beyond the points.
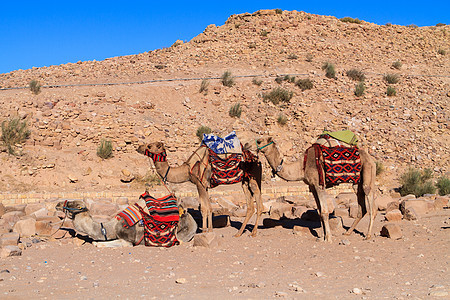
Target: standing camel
(198, 170)
(298, 171)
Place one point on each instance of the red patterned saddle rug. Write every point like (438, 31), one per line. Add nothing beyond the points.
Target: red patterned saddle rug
(131, 215)
(340, 164)
(161, 222)
(225, 168)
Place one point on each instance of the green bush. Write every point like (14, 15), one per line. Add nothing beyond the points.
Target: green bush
(305, 84)
(442, 52)
(279, 79)
(356, 75)
(235, 111)
(292, 56)
(35, 87)
(417, 182)
(309, 57)
(443, 185)
(391, 78)
(379, 167)
(397, 65)
(201, 130)
(360, 88)
(412, 26)
(204, 86)
(329, 70)
(440, 24)
(104, 150)
(227, 79)
(278, 11)
(14, 131)
(350, 20)
(391, 91)
(257, 81)
(264, 33)
(282, 119)
(278, 95)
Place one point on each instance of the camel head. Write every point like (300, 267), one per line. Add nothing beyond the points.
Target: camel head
(154, 150)
(72, 207)
(262, 143)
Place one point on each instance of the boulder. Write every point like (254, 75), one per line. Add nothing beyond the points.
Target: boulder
(45, 228)
(189, 202)
(9, 239)
(298, 211)
(41, 213)
(353, 210)
(440, 202)
(10, 251)
(280, 209)
(392, 205)
(13, 216)
(336, 224)
(5, 227)
(33, 207)
(382, 201)
(341, 212)
(226, 202)
(410, 214)
(2, 210)
(392, 231)
(421, 206)
(207, 239)
(26, 227)
(394, 215)
(346, 198)
(240, 212)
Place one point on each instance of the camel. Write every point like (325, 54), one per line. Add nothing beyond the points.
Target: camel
(114, 233)
(197, 170)
(295, 171)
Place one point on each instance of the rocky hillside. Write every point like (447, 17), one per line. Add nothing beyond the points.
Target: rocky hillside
(162, 100)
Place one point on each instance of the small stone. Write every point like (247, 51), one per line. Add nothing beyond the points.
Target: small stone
(392, 231)
(319, 274)
(72, 178)
(281, 294)
(357, 291)
(181, 280)
(344, 242)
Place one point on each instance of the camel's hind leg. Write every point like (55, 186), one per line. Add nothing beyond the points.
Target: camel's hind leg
(362, 210)
(250, 208)
(205, 207)
(259, 205)
(322, 206)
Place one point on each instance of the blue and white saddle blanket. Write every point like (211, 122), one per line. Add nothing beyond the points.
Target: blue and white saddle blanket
(229, 144)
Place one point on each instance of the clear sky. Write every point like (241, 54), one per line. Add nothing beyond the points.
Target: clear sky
(44, 33)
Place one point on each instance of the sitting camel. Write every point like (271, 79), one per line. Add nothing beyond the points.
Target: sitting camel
(297, 171)
(113, 233)
(198, 170)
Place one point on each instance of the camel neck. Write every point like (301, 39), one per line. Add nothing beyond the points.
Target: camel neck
(176, 174)
(290, 171)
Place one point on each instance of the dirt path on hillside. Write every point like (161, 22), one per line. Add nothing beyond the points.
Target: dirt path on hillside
(277, 263)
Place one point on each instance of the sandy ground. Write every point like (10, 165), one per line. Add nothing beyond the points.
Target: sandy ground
(277, 263)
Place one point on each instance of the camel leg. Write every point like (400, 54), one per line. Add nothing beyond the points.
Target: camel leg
(362, 210)
(250, 208)
(322, 205)
(259, 204)
(205, 207)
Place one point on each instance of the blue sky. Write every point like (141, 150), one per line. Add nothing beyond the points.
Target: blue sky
(44, 33)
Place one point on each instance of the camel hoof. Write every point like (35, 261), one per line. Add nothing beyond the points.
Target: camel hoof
(237, 234)
(368, 237)
(348, 233)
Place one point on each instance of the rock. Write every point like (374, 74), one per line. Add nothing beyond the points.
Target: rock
(12, 217)
(189, 202)
(104, 208)
(10, 251)
(204, 239)
(41, 213)
(226, 203)
(441, 202)
(341, 212)
(353, 210)
(72, 178)
(278, 209)
(357, 291)
(298, 211)
(300, 230)
(87, 172)
(5, 227)
(335, 224)
(126, 173)
(9, 239)
(26, 227)
(33, 207)
(45, 228)
(240, 212)
(392, 231)
(421, 206)
(346, 198)
(392, 205)
(382, 201)
(2, 210)
(127, 179)
(221, 221)
(181, 280)
(410, 214)
(394, 215)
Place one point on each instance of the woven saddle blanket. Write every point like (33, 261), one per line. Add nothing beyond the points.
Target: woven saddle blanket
(160, 224)
(341, 165)
(225, 168)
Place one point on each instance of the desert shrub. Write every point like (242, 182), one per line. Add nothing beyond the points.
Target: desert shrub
(417, 182)
(282, 119)
(391, 91)
(292, 56)
(412, 26)
(379, 167)
(290, 79)
(104, 150)
(440, 24)
(235, 111)
(309, 57)
(360, 88)
(35, 87)
(442, 52)
(252, 45)
(279, 79)
(388, 24)
(391, 78)
(201, 130)
(204, 86)
(14, 131)
(264, 33)
(227, 79)
(356, 75)
(149, 179)
(443, 185)
(330, 72)
(305, 84)
(350, 20)
(397, 65)
(278, 95)
(278, 11)
(257, 81)
(160, 67)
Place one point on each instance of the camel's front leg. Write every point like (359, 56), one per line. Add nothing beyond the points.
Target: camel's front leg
(259, 205)
(205, 207)
(250, 208)
(322, 205)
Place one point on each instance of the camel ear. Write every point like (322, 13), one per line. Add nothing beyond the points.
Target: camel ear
(269, 139)
(160, 145)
